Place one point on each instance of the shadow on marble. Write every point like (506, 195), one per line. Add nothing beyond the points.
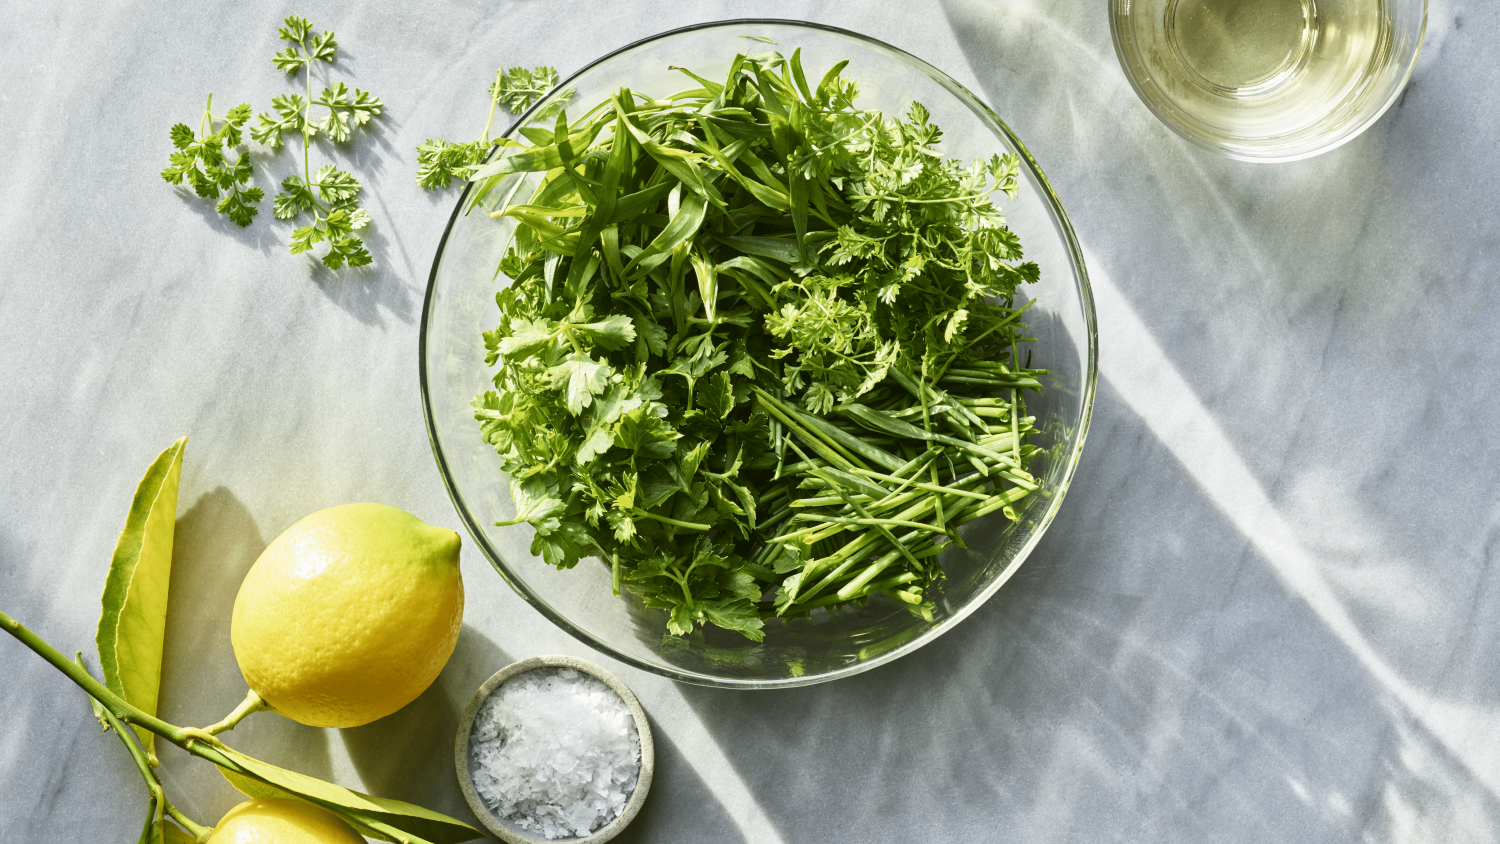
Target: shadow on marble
(1332, 332)
(367, 293)
(408, 755)
(370, 147)
(47, 728)
(680, 806)
(216, 543)
(261, 234)
(1167, 689)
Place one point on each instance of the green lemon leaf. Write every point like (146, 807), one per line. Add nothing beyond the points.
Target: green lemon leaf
(134, 620)
(373, 817)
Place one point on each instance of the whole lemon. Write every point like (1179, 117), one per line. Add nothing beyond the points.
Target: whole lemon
(281, 820)
(349, 614)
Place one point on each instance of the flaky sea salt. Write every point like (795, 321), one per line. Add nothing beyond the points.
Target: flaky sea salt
(556, 752)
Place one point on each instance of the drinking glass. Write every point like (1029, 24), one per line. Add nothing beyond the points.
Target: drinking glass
(1268, 80)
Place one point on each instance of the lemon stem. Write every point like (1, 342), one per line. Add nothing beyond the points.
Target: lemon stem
(253, 702)
(199, 832)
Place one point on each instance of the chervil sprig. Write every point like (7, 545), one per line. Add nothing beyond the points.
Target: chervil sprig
(330, 196)
(201, 162)
(518, 88)
(439, 162)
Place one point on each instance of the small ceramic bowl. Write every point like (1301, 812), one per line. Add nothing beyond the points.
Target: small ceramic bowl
(464, 760)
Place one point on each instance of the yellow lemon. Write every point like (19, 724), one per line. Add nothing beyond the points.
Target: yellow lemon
(280, 820)
(349, 615)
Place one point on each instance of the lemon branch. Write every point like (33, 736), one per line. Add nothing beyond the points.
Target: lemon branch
(389, 820)
(116, 705)
(161, 807)
(199, 743)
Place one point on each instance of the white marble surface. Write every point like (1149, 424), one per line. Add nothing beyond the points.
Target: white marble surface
(1269, 610)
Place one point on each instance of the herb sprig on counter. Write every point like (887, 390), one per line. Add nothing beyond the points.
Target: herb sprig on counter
(759, 352)
(439, 162)
(201, 162)
(329, 196)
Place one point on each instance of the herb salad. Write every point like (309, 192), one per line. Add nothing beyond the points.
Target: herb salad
(760, 349)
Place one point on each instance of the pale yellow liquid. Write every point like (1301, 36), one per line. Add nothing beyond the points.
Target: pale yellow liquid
(1258, 69)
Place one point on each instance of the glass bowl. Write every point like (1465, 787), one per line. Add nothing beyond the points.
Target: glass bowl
(1268, 80)
(460, 304)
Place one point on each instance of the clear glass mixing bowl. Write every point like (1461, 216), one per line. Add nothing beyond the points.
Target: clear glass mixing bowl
(460, 304)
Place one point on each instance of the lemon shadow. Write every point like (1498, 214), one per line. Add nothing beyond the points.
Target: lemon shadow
(408, 755)
(216, 542)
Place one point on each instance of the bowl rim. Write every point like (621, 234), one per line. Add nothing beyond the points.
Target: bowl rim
(637, 714)
(1090, 378)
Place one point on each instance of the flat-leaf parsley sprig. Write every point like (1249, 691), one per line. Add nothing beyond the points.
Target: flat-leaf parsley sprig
(330, 195)
(439, 162)
(200, 162)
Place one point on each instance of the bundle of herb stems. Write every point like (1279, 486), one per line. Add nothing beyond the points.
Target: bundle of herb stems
(759, 349)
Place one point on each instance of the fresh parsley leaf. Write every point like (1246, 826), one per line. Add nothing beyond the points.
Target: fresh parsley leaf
(580, 378)
(614, 332)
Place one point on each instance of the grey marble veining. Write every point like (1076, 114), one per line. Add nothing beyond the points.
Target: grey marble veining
(1267, 612)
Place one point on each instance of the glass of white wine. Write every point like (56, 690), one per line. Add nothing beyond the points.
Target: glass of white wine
(1268, 80)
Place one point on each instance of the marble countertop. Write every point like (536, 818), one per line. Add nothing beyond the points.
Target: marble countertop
(1268, 611)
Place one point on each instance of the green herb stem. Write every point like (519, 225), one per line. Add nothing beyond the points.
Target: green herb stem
(96, 690)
